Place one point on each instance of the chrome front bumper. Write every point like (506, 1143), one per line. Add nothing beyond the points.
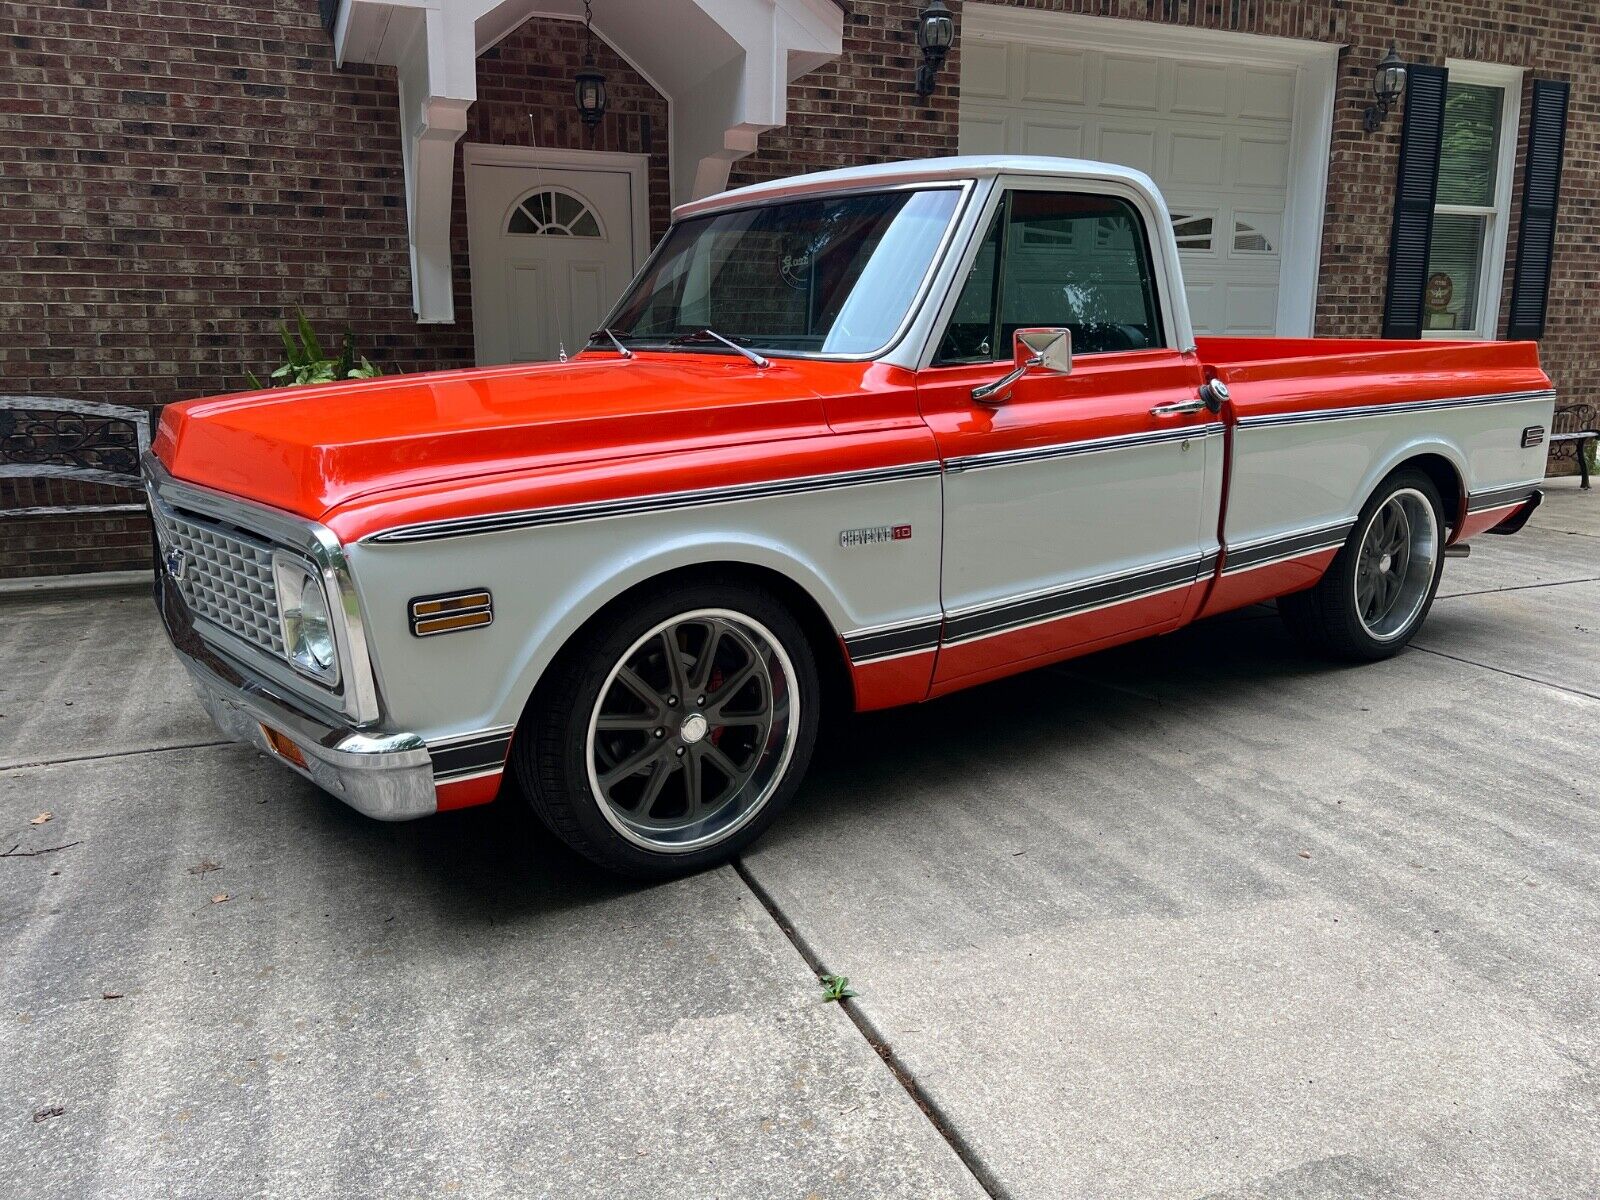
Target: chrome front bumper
(388, 776)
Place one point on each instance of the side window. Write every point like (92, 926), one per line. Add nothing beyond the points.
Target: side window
(1062, 260)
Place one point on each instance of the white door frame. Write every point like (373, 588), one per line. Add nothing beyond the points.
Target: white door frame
(1316, 67)
(637, 166)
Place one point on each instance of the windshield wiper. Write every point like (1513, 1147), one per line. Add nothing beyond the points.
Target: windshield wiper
(615, 340)
(700, 335)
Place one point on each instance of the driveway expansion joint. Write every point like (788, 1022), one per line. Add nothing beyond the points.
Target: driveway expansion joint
(79, 758)
(1559, 687)
(929, 1108)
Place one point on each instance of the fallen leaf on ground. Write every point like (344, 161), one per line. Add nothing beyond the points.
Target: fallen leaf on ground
(112, 995)
(41, 818)
(44, 1114)
(204, 867)
(1305, 854)
(221, 898)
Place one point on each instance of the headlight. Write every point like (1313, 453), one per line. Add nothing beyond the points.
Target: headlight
(304, 619)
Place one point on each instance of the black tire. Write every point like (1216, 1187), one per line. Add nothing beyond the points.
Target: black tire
(551, 752)
(1326, 618)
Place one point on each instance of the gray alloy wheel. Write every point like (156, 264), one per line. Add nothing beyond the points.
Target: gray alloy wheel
(692, 731)
(1394, 571)
(1377, 591)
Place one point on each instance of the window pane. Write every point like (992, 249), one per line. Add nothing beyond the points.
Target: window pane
(970, 334)
(1471, 144)
(1078, 262)
(835, 274)
(1455, 256)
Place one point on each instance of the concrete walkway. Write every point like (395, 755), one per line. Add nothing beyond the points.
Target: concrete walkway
(1197, 917)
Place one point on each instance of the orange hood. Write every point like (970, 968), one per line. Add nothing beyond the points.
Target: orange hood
(308, 449)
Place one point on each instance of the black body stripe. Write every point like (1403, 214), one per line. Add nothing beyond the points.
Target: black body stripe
(1288, 546)
(1386, 410)
(865, 647)
(1032, 610)
(662, 502)
(469, 756)
(1501, 497)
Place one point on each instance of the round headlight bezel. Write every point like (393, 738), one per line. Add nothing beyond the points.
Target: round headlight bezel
(305, 619)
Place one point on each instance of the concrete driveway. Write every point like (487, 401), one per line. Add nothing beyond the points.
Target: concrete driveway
(1198, 917)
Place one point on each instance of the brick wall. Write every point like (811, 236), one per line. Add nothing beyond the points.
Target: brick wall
(176, 178)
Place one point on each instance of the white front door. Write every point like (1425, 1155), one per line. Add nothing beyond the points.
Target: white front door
(551, 248)
(1214, 136)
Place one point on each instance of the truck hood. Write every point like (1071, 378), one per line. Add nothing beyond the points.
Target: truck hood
(309, 449)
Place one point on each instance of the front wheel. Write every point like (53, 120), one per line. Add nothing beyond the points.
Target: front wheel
(1381, 584)
(666, 739)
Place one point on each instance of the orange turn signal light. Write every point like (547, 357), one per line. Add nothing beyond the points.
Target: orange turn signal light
(456, 610)
(284, 747)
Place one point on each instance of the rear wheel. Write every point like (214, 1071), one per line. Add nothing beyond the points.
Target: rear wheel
(1380, 586)
(667, 740)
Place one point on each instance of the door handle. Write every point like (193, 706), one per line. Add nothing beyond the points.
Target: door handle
(1178, 409)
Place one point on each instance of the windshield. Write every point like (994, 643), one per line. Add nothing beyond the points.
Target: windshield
(829, 275)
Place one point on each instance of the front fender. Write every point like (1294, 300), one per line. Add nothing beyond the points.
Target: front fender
(548, 581)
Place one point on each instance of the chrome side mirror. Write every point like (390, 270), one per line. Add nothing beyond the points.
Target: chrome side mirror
(1031, 350)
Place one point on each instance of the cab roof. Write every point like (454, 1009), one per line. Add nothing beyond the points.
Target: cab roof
(921, 170)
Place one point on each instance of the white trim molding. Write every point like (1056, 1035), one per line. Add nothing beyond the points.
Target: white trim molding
(1492, 267)
(1316, 66)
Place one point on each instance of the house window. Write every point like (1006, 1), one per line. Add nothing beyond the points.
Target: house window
(549, 213)
(1467, 255)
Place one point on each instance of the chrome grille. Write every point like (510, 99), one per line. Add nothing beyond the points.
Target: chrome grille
(226, 577)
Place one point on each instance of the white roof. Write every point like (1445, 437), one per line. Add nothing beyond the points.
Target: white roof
(920, 170)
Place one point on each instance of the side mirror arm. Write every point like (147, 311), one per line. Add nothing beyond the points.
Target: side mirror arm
(995, 393)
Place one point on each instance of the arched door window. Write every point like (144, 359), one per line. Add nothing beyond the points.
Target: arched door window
(553, 213)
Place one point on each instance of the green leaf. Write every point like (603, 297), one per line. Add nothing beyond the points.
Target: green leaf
(836, 987)
(307, 338)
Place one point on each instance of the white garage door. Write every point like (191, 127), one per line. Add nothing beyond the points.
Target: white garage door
(1214, 136)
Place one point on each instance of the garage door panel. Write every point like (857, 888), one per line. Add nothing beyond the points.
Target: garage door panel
(1200, 90)
(1045, 137)
(1132, 147)
(985, 132)
(1262, 163)
(1130, 83)
(1195, 159)
(985, 70)
(1266, 95)
(1055, 76)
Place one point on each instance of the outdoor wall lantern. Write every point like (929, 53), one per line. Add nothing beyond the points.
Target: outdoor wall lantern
(1388, 82)
(589, 85)
(936, 30)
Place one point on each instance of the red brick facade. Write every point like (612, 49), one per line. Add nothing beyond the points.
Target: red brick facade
(176, 177)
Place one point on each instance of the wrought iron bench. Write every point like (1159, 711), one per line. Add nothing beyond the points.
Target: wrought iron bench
(1574, 425)
(47, 437)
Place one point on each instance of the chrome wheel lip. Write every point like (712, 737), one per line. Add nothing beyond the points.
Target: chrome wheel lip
(752, 807)
(1421, 549)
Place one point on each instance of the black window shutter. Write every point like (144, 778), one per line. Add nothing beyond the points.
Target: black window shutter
(1414, 192)
(1536, 228)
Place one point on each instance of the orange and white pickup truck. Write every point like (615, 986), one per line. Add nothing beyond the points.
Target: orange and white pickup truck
(859, 438)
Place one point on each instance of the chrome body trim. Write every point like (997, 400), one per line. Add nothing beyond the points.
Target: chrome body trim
(1029, 454)
(916, 636)
(1383, 410)
(357, 697)
(565, 514)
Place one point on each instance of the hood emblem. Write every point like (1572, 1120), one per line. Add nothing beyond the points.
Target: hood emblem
(176, 563)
